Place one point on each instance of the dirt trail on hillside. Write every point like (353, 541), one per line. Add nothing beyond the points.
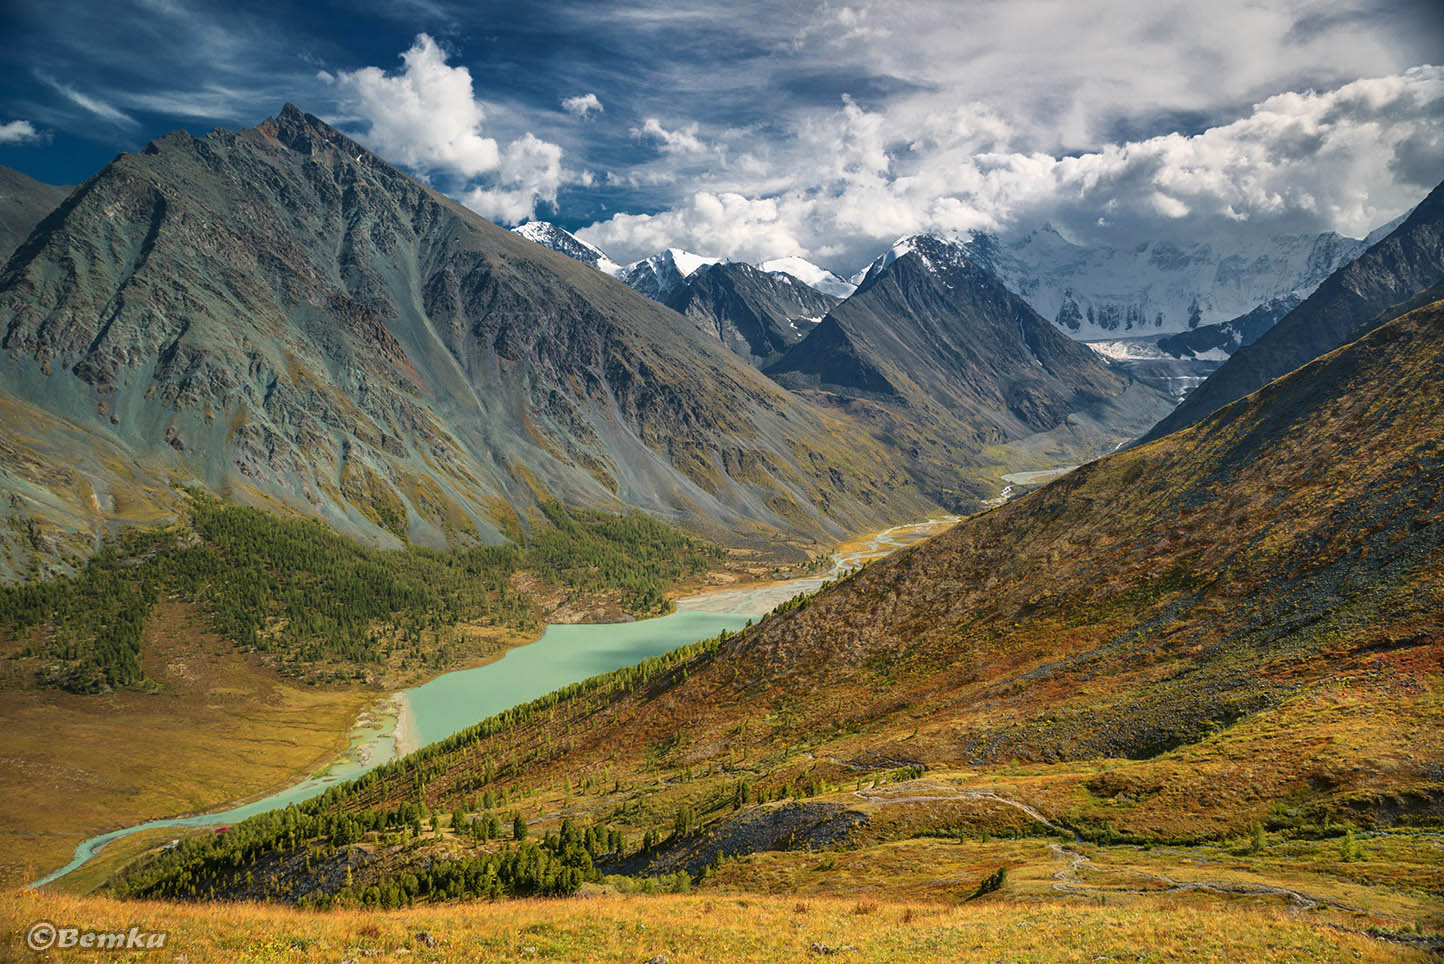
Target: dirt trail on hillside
(1068, 878)
(936, 794)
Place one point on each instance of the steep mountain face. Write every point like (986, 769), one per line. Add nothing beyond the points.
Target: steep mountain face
(946, 359)
(564, 242)
(24, 201)
(1235, 625)
(1157, 286)
(1406, 262)
(810, 274)
(756, 313)
(281, 314)
(1173, 372)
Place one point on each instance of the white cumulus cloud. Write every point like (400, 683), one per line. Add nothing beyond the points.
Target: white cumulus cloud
(424, 117)
(530, 171)
(427, 117)
(1345, 159)
(19, 132)
(582, 105)
(683, 140)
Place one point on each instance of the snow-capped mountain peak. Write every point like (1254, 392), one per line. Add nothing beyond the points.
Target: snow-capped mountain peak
(664, 272)
(1156, 286)
(936, 252)
(548, 235)
(686, 262)
(814, 276)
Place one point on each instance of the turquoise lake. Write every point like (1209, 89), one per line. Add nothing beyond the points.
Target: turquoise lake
(563, 654)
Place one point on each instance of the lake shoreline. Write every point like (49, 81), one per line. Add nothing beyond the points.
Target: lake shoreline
(404, 732)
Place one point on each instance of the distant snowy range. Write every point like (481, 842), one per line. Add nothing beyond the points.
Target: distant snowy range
(1168, 313)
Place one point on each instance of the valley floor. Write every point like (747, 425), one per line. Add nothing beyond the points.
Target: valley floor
(708, 928)
(225, 728)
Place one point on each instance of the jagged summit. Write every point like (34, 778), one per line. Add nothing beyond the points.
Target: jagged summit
(949, 362)
(661, 275)
(758, 314)
(934, 250)
(307, 133)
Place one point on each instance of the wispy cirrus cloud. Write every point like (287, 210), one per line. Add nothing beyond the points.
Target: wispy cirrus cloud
(88, 102)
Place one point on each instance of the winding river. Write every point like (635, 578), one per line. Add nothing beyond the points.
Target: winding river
(562, 654)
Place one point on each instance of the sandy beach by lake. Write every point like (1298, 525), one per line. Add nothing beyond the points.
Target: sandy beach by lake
(405, 732)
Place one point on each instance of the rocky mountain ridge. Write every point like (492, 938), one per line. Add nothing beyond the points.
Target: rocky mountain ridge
(940, 355)
(24, 201)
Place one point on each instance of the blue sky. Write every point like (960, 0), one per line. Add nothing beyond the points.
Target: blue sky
(757, 130)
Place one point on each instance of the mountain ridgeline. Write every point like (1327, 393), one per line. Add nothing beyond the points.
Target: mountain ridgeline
(1351, 301)
(283, 316)
(756, 310)
(24, 202)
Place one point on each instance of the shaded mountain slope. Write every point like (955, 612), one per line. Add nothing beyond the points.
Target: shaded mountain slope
(1235, 625)
(756, 311)
(24, 201)
(1229, 336)
(1342, 308)
(758, 314)
(934, 350)
(280, 313)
